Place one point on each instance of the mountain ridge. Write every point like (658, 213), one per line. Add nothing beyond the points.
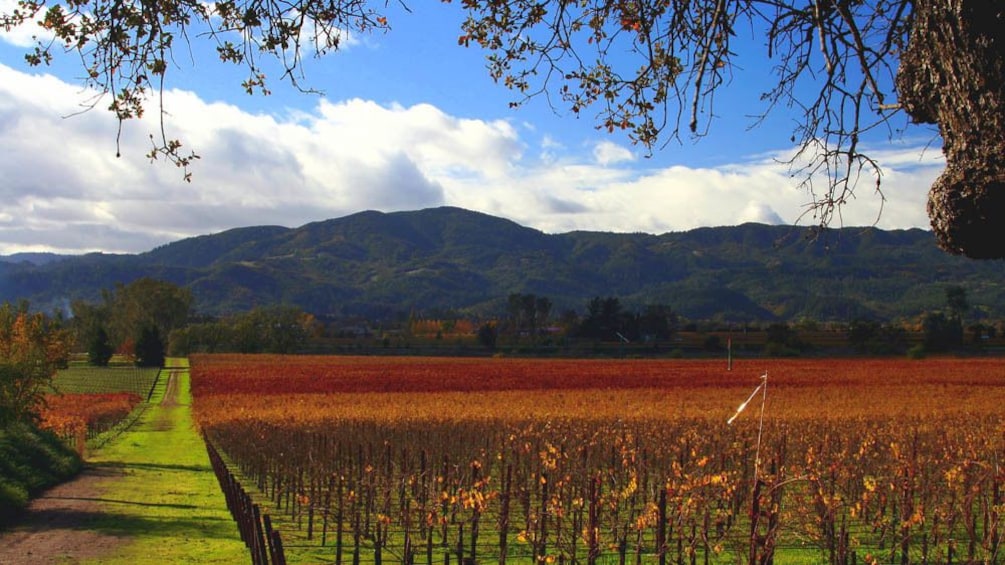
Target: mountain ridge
(378, 264)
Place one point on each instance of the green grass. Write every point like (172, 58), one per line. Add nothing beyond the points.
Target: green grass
(168, 503)
(81, 378)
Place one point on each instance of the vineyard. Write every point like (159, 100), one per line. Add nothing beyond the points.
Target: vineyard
(424, 460)
(83, 379)
(86, 402)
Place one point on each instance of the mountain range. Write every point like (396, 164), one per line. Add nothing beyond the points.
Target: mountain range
(430, 261)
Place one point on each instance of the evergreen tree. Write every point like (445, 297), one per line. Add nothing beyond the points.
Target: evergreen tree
(99, 350)
(487, 335)
(149, 348)
(942, 333)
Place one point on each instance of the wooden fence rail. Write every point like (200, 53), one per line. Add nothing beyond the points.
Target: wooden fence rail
(264, 543)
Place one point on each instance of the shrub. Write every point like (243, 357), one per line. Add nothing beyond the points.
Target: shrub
(13, 499)
(30, 462)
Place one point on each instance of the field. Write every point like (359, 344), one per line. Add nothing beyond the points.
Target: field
(86, 402)
(426, 460)
(84, 379)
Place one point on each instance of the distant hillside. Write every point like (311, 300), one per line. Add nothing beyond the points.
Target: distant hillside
(33, 258)
(378, 264)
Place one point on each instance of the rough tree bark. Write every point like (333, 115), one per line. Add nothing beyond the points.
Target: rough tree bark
(953, 75)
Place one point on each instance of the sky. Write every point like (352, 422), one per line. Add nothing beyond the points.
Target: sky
(407, 120)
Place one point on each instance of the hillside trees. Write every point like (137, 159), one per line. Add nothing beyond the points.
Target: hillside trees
(651, 68)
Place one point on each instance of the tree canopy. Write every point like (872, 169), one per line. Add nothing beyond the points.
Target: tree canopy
(149, 348)
(650, 67)
(32, 347)
(128, 310)
(263, 329)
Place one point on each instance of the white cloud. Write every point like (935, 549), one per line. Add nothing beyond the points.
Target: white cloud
(23, 35)
(759, 212)
(609, 153)
(64, 189)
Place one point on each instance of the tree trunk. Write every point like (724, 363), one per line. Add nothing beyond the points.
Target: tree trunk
(951, 75)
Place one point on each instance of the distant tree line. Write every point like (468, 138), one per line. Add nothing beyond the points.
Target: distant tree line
(148, 318)
(132, 319)
(529, 321)
(875, 338)
(607, 320)
(527, 315)
(265, 329)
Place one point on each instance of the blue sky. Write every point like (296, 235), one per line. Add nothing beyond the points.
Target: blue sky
(408, 120)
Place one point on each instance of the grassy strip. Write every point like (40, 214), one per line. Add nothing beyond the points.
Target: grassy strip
(167, 500)
(155, 395)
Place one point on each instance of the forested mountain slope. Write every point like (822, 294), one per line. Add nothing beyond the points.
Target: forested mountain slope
(377, 264)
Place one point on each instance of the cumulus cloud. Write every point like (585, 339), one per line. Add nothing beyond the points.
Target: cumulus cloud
(760, 213)
(65, 191)
(609, 153)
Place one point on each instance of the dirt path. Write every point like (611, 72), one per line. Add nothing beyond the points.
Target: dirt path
(171, 390)
(55, 528)
(148, 496)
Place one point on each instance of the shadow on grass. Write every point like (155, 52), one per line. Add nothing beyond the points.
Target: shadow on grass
(127, 525)
(102, 470)
(122, 465)
(130, 502)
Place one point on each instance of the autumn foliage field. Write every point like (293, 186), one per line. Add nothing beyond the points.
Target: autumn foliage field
(430, 460)
(87, 401)
(76, 415)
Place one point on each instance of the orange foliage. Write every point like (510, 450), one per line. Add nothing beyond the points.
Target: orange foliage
(29, 337)
(73, 414)
(31, 348)
(864, 450)
(831, 388)
(444, 328)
